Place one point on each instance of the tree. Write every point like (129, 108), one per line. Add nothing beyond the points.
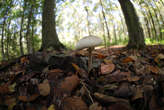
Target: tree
(136, 35)
(49, 34)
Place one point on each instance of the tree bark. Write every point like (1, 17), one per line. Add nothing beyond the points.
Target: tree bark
(2, 39)
(49, 34)
(136, 35)
(28, 36)
(21, 30)
(106, 24)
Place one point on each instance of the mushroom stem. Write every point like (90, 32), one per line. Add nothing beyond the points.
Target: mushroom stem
(90, 58)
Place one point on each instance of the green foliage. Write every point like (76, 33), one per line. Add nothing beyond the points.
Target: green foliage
(150, 41)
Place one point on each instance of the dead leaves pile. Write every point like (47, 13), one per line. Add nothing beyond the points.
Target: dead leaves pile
(119, 80)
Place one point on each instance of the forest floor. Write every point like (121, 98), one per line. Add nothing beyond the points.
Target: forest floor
(120, 79)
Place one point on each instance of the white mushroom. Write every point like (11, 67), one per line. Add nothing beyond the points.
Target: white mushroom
(89, 42)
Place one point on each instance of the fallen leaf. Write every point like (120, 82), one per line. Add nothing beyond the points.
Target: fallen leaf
(51, 107)
(123, 90)
(82, 73)
(69, 83)
(108, 61)
(107, 68)
(4, 89)
(56, 71)
(30, 108)
(153, 105)
(54, 74)
(12, 87)
(77, 68)
(108, 99)
(133, 78)
(153, 69)
(24, 60)
(95, 106)
(74, 103)
(44, 88)
(159, 57)
(100, 56)
(10, 102)
(138, 94)
(28, 98)
(120, 106)
(129, 59)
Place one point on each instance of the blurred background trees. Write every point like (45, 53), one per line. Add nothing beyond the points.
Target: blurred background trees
(21, 23)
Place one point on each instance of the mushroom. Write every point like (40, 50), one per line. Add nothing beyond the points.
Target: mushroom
(89, 42)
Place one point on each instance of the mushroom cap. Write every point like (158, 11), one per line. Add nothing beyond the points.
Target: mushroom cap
(88, 41)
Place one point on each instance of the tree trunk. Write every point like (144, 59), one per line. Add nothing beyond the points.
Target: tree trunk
(153, 24)
(21, 30)
(106, 24)
(2, 39)
(28, 36)
(8, 35)
(49, 34)
(136, 35)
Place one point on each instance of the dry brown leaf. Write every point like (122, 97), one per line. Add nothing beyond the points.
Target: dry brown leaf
(108, 99)
(158, 58)
(123, 90)
(74, 103)
(28, 98)
(44, 88)
(107, 68)
(70, 83)
(77, 68)
(24, 60)
(133, 78)
(100, 56)
(129, 59)
(138, 94)
(56, 71)
(108, 61)
(153, 103)
(10, 102)
(120, 106)
(80, 71)
(44, 108)
(51, 107)
(30, 108)
(95, 106)
(153, 69)
(4, 89)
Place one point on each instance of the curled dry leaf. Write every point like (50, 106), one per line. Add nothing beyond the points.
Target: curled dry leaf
(108, 99)
(129, 59)
(28, 98)
(70, 83)
(107, 68)
(74, 103)
(44, 88)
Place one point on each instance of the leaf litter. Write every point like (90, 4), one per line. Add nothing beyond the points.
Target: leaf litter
(120, 79)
